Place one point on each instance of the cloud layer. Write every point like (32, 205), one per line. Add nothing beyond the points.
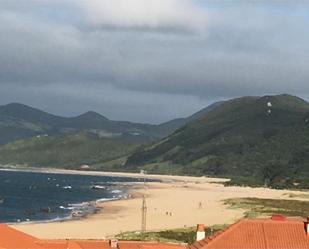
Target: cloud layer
(153, 14)
(152, 60)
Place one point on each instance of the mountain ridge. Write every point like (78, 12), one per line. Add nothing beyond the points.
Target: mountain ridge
(253, 140)
(33, 137)
(259, 137)
(19, 121)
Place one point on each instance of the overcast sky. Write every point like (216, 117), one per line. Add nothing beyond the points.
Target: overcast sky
(150, 60)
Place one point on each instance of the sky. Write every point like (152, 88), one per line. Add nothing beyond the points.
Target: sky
(150, 60)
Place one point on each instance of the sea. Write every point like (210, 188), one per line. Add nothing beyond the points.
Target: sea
(39, 196)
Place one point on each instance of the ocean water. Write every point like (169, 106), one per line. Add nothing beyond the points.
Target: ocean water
(32, 196)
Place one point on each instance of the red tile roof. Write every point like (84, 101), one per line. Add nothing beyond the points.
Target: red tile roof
(259, 234)
(84, 244)
(11, 238)
(73, 245)
(52, 244)
(103, 244)
(14, 239)
(276, 233)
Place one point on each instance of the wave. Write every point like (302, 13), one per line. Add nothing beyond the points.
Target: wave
(116, 191)
(80, 205)
(67, 187)
(28, 221)
(107, 199)
(98, 187)
(62, 195)
(67, 208)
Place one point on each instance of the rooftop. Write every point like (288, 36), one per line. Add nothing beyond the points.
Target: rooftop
(11, 238)
(276, 233)
(279, 232)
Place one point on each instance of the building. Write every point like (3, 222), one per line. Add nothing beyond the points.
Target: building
(278, 232)
(11, 238)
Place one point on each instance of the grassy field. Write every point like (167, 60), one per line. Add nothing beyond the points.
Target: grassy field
(66, 151)
(261, 207)
(181, 235)
(304, 196)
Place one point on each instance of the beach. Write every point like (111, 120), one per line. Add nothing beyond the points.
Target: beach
(176, 202)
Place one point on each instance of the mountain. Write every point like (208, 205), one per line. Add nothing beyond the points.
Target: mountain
(177, 123)
(265, 139)
(18, 121)
(31, 137)
(28, 114)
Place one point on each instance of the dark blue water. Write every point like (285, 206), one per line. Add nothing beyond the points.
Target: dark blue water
(29, 196)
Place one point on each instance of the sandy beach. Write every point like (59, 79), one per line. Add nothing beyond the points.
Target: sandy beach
(172, 203)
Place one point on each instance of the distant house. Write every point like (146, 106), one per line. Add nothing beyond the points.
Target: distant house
(143, 172)
(278, 232)
(84, 166)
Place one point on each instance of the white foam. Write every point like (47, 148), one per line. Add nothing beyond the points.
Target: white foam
(98, 187)
(106, 199)
(68, 208)
(116, 191)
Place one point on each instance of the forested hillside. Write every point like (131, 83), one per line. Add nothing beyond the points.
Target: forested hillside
(256, 140)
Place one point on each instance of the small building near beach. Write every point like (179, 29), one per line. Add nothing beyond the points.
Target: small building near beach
(84, 166)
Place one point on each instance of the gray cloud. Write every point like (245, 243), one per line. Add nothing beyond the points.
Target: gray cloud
(146, 64)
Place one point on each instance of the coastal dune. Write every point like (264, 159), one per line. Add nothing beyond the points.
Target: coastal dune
(175, 202)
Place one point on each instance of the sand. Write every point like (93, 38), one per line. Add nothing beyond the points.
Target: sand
(180, 197)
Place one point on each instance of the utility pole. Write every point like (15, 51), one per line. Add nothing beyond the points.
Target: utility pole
(144, 217)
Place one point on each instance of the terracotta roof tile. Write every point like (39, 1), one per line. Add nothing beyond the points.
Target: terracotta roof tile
(259, 234)
(273, 233)
(103, 244)
(52, 244)
(162, 246)
(149, 245)
(94, 244)
(73, 245)
(11, 238)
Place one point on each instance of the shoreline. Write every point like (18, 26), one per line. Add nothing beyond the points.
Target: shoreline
(93, 203)
(83, 209)
(106, 173)
(171, 203)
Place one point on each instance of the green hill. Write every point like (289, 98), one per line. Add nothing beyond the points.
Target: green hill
(64, 151)
(172, 125)
(18, 121)
(32, 137)
(262, 139)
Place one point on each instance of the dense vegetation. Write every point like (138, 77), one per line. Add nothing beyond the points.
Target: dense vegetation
(255, 140)
(260, 207)
(65, 151)
(31, 137)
